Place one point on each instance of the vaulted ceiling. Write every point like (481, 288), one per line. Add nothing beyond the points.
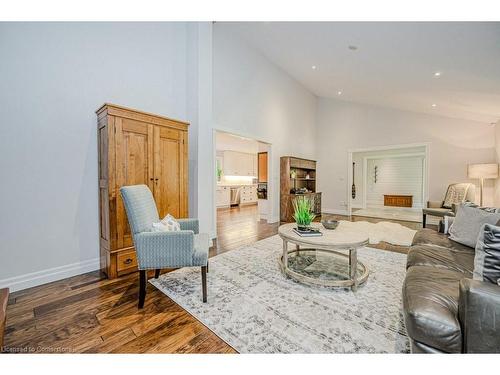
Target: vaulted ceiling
(444, 68)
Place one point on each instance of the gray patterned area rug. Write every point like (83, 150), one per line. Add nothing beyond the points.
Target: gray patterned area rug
(255, 309)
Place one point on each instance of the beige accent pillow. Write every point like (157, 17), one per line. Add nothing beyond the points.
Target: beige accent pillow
(455, 195)
(171, 224)
(167, 224)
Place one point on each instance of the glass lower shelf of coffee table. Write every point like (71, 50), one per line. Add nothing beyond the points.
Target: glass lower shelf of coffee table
(324, 267)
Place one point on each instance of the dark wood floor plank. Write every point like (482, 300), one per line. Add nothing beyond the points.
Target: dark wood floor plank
(112, 343)
(145, 343)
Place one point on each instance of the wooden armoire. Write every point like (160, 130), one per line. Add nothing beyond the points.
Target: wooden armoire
(137, 148)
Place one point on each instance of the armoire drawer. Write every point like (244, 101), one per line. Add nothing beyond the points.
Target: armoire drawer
(126, 260)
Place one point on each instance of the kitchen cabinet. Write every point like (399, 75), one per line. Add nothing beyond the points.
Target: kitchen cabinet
(248, 194)
(240, 164)
(223, 196)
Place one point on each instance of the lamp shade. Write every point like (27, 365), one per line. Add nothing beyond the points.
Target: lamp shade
(482, 170)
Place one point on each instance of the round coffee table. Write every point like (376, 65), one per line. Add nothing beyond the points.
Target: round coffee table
(328, 260)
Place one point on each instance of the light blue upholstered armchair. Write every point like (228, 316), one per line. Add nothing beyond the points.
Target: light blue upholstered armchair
(158, 250)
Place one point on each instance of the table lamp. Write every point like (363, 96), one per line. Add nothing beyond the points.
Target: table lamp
(482, 171)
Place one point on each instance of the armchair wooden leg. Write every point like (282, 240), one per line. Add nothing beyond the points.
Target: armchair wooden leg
(207, 266)
(157, 273)
(142, 287)
(424, 220)
(204, 282)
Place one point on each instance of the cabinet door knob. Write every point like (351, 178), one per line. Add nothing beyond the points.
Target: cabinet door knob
(151, 179)
(128, 261)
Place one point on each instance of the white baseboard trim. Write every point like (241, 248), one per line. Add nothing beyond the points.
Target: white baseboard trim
(273, 219)
(212, 235)
(47, 276)
(335, 211)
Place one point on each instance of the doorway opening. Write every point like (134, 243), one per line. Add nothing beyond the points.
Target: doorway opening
(389, 182)
(243, 198)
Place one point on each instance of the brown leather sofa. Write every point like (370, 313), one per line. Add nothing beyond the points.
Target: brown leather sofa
(445, 310)
(4, 297)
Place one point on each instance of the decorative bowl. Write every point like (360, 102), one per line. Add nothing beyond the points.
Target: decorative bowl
(330, 223)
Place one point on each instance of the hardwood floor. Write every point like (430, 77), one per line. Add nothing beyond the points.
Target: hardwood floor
(91, 314)
(239, 226)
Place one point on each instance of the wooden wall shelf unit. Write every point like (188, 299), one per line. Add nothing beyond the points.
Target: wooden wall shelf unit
(136, 147)
(288, 185)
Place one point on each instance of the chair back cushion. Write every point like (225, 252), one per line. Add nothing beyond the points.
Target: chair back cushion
(456, 194)
(140, 206)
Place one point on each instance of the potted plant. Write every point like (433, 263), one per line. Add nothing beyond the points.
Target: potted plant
(219, 173)
(303, 211)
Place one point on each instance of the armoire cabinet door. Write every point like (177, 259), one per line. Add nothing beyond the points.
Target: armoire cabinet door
(134, 165)
(170, 189)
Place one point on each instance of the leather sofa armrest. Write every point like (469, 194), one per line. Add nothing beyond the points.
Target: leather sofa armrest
(434, 204)
(479, 315)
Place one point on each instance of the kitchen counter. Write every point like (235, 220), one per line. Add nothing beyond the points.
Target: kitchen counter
(235, 185)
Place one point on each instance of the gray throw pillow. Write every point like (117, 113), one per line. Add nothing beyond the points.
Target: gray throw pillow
(488, 209)
(487, 258)
(468, 222)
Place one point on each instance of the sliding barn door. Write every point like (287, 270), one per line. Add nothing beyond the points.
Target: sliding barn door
(170, 155)
(134, 166)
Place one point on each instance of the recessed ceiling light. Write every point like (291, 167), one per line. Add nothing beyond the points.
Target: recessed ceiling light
(339, 92)
(352, 48)
(437, 74)
(434, 105)
(313, 67)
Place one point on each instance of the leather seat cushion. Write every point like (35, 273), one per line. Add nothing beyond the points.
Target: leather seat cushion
(431, 237)
(430, 301)
(441, 257)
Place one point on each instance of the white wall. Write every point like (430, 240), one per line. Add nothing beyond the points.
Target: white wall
(453, 144)
(228, 142)
(199, 107)
(363, 176)
(53, 77)
(256, 99)
(395, 175)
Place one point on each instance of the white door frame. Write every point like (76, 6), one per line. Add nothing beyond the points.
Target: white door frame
(386, 156)
(426, 145)
(270, 181)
